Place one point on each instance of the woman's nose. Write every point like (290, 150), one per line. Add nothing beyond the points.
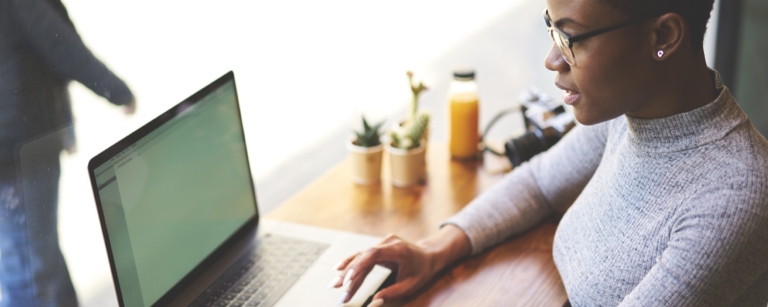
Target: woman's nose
(554, 60)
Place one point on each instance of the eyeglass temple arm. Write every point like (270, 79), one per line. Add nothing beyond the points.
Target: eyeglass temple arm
(584, 36)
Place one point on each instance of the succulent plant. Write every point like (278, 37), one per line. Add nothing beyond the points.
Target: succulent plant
(410, 135)
(370, 136)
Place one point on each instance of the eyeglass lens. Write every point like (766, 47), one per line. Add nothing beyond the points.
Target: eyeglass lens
(560, 41)
(562, 45)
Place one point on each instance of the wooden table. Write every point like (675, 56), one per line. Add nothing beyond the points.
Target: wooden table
(519, 272)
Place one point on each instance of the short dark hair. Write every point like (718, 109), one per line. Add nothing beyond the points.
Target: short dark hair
(695, 12)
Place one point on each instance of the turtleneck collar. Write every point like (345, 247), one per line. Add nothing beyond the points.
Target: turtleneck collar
(690, 129)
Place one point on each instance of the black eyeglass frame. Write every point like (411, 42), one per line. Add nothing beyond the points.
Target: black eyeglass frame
(570, 40)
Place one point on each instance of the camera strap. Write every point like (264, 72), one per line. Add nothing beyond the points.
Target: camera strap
(491, 124)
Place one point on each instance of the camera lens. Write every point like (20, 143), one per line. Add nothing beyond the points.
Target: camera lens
(523, 148)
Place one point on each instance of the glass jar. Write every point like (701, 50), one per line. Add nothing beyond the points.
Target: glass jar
(463, 115)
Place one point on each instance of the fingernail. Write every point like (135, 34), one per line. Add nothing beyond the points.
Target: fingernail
(338, 266)
(348, 278)
(334, 282)
(376, 303)
(343, 298)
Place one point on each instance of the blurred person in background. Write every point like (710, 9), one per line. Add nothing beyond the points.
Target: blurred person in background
(40, 54)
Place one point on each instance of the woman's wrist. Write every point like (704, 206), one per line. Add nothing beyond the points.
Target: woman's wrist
(444, 247)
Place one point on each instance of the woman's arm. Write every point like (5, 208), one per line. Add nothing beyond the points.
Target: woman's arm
(535, 189)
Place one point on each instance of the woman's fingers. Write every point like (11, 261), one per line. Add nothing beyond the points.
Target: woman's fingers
(391, 252)
(397, 290)
(355, 268)
(353, 284)
(339, 280)
(343, 268)
(344, 263)
(385, 253)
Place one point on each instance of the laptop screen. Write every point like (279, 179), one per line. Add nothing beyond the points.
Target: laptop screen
(173, 196)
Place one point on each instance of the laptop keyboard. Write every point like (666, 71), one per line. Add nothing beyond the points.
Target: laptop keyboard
(263, 274)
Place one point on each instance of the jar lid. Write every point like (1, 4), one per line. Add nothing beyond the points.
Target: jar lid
(464, 74)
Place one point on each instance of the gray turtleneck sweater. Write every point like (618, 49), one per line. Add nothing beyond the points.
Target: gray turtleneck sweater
(668, 212)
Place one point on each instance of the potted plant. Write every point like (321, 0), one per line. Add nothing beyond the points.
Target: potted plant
(365, 149)
(407, 151)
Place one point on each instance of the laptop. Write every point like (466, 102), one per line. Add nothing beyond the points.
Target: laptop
(178, 211)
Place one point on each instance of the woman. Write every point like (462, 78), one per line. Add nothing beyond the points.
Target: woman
(670, 178)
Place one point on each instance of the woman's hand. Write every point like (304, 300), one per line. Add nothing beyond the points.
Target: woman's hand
(413, 264)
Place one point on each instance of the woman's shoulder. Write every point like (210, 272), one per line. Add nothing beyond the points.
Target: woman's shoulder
(733, 177)
(743, 152)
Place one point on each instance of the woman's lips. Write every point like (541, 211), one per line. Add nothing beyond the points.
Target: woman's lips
(570, 97)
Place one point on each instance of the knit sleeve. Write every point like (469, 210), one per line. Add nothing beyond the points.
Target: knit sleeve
(48, 35)
(718, 248)
(534, 190)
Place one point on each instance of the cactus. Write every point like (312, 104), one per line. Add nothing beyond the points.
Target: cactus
(370, 136)
(410, 135)
(416, 91)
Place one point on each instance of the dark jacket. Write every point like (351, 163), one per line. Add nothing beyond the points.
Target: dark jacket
(40, 52)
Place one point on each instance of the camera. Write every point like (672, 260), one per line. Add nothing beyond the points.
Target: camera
(546, 122)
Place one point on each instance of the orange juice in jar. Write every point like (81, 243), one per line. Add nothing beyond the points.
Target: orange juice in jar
(463, 115)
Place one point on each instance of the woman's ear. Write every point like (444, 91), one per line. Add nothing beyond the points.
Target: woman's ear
(668, 34)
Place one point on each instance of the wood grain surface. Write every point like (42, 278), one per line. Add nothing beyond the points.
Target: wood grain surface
(518, 272)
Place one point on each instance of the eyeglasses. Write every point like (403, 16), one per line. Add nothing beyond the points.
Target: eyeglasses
(565, 42)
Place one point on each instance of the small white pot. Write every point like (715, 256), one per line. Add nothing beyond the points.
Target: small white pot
(366, 163)
(408, 166)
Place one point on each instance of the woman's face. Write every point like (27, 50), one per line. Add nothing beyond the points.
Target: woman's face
(612, 74)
